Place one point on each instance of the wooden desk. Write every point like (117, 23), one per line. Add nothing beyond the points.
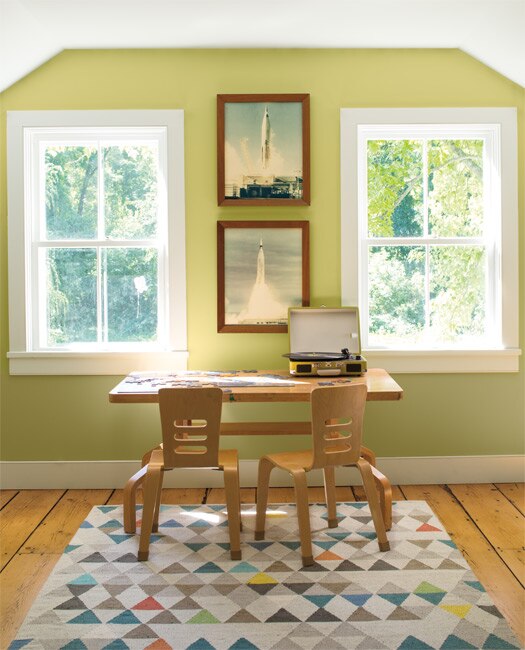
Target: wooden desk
(142, 387)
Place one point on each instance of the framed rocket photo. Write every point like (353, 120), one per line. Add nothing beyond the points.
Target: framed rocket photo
(263, 268)
(263, 149)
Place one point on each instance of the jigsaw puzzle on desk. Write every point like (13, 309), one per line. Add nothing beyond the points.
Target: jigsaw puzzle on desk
(152, 382)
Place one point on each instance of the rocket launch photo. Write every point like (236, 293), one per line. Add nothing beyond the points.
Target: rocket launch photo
(263, 274)
(262, 155)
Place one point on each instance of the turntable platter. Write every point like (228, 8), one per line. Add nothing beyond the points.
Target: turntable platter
(317, 356)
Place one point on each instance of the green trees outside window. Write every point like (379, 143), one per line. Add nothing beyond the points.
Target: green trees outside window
(101, 255)
(427, 278)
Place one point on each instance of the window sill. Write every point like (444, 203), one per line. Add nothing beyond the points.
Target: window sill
(394, 361)
(94, 363)
(444, 361)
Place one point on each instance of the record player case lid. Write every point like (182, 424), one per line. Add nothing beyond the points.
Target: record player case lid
(329, 329)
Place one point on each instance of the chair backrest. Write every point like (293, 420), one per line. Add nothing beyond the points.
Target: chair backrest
(337, 424)
(191, 420)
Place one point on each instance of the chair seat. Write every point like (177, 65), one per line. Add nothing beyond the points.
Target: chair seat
(292, 459)
(299, 459)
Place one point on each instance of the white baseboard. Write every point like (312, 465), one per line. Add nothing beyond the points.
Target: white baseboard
(19, 475)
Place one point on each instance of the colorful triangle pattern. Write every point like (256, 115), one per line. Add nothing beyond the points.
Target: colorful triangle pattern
(191, 596)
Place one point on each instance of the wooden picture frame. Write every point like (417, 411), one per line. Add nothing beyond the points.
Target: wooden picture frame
(263, 268)
(263, 149)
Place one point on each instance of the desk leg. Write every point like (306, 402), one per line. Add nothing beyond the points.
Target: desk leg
(383, 486)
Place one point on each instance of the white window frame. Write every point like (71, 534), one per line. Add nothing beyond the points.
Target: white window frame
(24, 130)
(502, 355)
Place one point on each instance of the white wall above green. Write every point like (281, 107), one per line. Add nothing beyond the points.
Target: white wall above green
(32, 31)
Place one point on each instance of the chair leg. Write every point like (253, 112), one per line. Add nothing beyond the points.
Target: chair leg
(155, 527)
(130, 493)
(383, 486)
(373, 501)
(238, 490)
(151, 487)
(233, 507)
(385, 496)
(263, 482)
(130, 500)
(303, 516)
(329, 491)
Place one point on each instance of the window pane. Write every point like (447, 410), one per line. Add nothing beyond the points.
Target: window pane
(131, 282)
(71, 300)
(396, 285)
(71, 192)
(455, 188)
(395, 188)
(457, 293)
(130, 189)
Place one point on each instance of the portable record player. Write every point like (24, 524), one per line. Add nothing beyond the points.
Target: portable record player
(325, 341)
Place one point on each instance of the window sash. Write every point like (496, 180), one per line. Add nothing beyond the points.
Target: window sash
(490, 324)
(40, 320)
(491, 137)
(425, 133)
(37, 140)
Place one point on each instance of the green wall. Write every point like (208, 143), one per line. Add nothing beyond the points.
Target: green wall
(56, 418)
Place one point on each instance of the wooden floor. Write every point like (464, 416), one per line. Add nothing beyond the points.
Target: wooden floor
(485, 521)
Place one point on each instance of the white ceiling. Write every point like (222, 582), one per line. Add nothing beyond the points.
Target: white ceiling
(33, 31)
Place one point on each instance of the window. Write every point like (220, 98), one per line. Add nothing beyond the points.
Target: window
(96, 248)
(429, 236)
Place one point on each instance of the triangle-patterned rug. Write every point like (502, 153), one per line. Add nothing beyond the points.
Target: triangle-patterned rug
(190, 595)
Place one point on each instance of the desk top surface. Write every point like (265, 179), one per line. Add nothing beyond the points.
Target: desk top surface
(249, 385)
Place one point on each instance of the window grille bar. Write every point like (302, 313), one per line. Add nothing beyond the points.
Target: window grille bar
(422, 241)
(100, 243)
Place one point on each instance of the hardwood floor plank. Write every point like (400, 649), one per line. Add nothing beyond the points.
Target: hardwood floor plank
(217, 495)
(515, 493)
(281, 495)
(6, 496)
(498, 520)
(20, 583)
(57, 529)
(20, 517)
(186, 496)
(501, 584)
(360, 495)
(397, 494)
(342, 493)
(116, 498)
(315, 494)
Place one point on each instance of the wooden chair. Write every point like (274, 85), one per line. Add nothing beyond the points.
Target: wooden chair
(190, 419)
(337, 425)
